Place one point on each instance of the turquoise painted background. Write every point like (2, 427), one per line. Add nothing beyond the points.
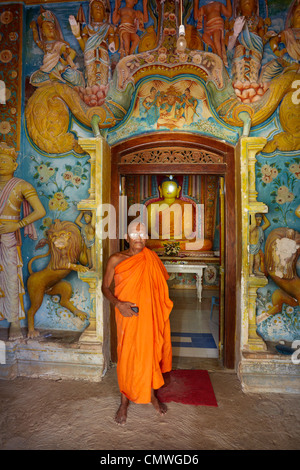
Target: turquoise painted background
(63, 180)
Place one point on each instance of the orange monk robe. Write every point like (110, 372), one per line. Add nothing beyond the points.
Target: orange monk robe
(144, 341)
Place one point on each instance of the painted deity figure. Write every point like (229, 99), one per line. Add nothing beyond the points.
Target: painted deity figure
(256, 238)
(209, 16)
(87, 230)
(15, 193)
(151, 106)
(189, 105)
(282, 251)
(285, 45)
(58, 55)
(246, 40)
(130, 21)
(171, 111)
(95, 40)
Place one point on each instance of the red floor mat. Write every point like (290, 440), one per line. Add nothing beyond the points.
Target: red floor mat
(191, 387)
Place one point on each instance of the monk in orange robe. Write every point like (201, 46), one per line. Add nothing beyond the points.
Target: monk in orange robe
(144, 338)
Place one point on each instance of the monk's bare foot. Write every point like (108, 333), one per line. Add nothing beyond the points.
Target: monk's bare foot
(159, 406)
(121, 414)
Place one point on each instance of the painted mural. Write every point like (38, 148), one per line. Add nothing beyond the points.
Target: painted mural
(10, 74)
(278, 302)
(247, 70)
(116, 69)
(16, 194)
(162, 104)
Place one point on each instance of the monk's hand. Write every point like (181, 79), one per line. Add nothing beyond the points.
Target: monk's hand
(126, 310)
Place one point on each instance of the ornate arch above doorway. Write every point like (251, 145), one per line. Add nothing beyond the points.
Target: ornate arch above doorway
(181, 155)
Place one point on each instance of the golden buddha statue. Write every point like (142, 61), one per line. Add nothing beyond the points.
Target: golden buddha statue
(172, 218)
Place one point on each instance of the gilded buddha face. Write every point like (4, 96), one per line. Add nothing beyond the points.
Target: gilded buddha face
(169, 189)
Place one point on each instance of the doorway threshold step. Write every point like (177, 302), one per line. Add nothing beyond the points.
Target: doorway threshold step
(193, 340)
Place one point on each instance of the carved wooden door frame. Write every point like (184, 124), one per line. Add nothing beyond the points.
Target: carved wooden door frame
(187, 154)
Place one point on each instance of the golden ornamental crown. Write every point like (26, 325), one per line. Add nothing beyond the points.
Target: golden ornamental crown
(6, 150)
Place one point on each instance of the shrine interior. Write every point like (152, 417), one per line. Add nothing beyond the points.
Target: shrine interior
(195, 323)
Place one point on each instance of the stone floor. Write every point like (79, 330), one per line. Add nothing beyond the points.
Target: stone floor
(74, 415)
(44, 414)
(195, 332)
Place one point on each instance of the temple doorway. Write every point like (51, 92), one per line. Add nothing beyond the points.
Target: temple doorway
(195, 318)
(202, 328)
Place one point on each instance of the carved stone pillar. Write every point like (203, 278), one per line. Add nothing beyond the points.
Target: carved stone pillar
(90, 333)
(249, 147)
(254, 341)
(99, 193)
